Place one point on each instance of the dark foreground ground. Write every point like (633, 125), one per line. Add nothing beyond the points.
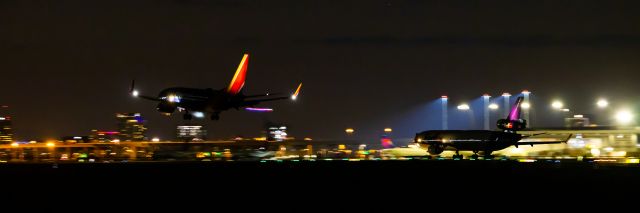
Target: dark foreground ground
(304, 179)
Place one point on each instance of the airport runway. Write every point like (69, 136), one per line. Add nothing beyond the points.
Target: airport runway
(337, 171)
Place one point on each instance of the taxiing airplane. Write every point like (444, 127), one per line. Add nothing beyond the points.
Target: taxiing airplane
(196, 102)
(486, 141)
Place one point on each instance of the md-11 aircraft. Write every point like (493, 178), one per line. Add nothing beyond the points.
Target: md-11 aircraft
(485, 141)
(196, 102)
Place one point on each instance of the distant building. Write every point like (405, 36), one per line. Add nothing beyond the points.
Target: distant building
(576, 121)
(276, 133)
(76, 139)
(104, 136)
(6, 133)
(189, 133)
(131, 127)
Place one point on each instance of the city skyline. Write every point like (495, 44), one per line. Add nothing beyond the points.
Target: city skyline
(374, 61)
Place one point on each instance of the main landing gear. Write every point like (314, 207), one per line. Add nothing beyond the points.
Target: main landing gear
(475, 155)
(458, 156)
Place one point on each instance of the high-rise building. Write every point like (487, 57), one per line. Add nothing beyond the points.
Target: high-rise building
(131, 127)
(6, 134)
(104, 136)
(276, 133)
(189, 133)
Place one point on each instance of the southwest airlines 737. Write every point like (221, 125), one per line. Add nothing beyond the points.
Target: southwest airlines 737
(201, 102)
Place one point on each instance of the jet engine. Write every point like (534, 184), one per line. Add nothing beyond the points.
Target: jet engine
(435, 148)
(512, 125)
(166, 107)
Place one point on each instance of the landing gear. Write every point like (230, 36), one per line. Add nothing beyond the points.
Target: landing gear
(487, 155)
(458, 156)
(474, 156)
(187, 116)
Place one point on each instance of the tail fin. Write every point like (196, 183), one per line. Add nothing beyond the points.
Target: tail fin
(386, 142)
(238, 79)
(515, 113)
(295, 94)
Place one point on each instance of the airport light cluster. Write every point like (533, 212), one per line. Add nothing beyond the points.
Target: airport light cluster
(464, 107)
(602, 103)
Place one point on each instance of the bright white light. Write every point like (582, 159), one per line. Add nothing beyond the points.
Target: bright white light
(493, 106)
(557, 105)
(578, 116)
(565, 110)
(173, 98)
(526, 105)
(486, 96)
(135, 93)
(463, 107)
(624, 117)
(602, 103)
(526, 92)
(198, 114)
(506, 94)
(608, 149)
(155, 139)
(294, 97)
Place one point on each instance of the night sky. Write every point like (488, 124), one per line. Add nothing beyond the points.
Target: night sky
(65, 66)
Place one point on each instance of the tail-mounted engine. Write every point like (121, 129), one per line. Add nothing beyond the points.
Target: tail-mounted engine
(512, 125)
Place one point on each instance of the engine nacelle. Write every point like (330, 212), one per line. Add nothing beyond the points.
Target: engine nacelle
(435, 149)
(512, 125)
(166, 107)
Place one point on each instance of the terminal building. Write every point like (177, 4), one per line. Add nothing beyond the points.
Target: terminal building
(131, 127)
(587, 140)
(6, 133)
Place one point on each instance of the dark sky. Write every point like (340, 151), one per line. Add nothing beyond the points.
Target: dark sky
(66, 65)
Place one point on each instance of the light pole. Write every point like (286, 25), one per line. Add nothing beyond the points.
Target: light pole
(485, 108)
(506, 96)
(557, 105)
(467, 110)
(603, 106)
(444, 100)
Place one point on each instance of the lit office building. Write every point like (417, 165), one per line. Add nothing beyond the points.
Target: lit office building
(104, 136)
(131, 127)
(189, 133)
(6, 134)
(276, 133)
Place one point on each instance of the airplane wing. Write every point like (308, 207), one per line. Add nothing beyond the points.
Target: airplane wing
(257, 101)
(135, 93)
(531, 143)
(526, 136)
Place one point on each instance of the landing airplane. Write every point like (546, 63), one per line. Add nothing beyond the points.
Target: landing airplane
(486, 141)
(198, 102)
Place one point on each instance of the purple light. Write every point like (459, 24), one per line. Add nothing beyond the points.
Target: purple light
(258, 109)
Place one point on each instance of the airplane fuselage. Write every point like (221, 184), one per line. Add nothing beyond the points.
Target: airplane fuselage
(436, 141)
(197, 100)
